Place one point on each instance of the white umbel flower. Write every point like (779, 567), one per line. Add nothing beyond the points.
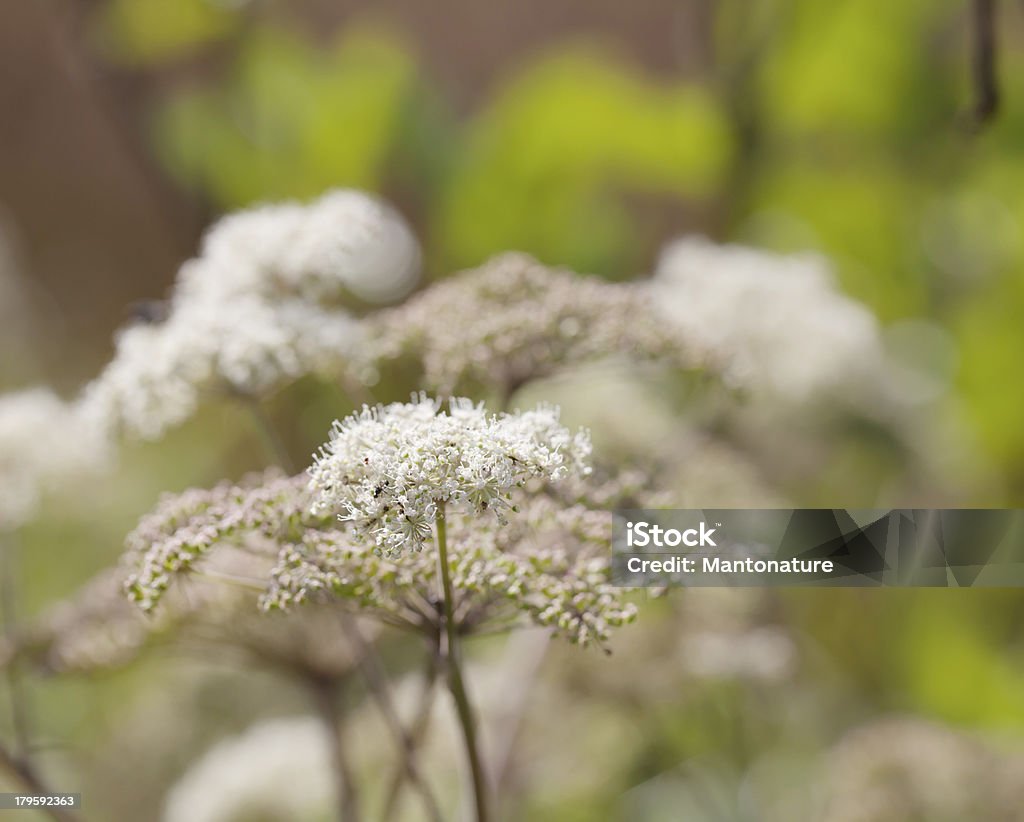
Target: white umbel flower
(45, 444)
(388, 469)
(257, 309)
(277, 770)
(345, 241)
(246, 346)
(778, 323)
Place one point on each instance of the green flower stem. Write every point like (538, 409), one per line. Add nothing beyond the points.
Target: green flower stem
(456, 683)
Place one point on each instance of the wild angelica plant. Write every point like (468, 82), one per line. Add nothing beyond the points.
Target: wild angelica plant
(440, 522)
(444, 522)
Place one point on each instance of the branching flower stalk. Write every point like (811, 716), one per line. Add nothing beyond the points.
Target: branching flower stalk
(444, 523)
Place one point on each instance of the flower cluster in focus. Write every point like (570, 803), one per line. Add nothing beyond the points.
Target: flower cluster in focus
(387, 470)
(549, 563)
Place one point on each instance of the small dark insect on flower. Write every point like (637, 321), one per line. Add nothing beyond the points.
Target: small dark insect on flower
(378, 491)
(149, 312)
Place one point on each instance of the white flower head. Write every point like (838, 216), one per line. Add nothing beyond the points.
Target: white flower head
(45, 444)
(278, 769)
(778, 323)
(247, 346)
(257, 309)
(387, 470)
(345, 241)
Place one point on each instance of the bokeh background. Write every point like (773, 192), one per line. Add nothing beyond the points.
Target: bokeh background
(587, 133)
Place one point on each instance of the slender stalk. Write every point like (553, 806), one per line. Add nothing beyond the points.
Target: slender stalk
(327, 707)
(16, 693)
(417, 731)
(377, 684)
(986, 84)
(456, 683)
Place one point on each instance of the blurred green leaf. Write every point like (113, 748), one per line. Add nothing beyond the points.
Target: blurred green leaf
(152, 31)
(546, 163)
(291, 120)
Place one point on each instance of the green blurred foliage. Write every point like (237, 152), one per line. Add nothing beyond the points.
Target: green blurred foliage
(858, 69)
(144, 32)
(547, 160)
(290, 120)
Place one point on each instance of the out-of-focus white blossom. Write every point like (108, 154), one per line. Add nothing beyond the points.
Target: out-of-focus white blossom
(513, 320)
(762, 654)
(897, 769)
(277, 770)
(777, 324)
(45, 444)
(247, 346)
(345, 241)
(388, 469)
(257, 309)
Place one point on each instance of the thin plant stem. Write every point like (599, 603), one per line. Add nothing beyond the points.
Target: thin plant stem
(456, 682)
(416, 734)
(16, 693)
(380, 691)
(345, 782)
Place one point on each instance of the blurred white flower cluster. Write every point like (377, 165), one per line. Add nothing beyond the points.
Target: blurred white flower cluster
(387, 470)
(777, 323)
(513, 320)
(45, 444)
(258, 307)
(896, 769)
(346, 241)
(276, 770)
